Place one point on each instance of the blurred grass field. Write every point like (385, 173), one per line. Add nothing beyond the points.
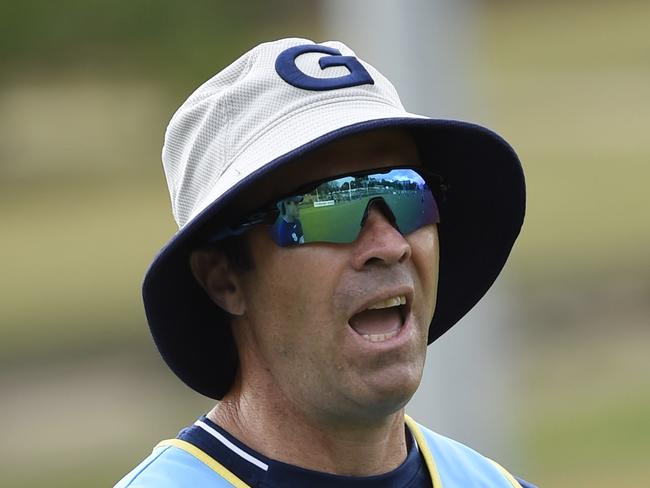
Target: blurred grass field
(84, 209)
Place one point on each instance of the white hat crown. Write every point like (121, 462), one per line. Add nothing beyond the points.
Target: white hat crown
(257, 109)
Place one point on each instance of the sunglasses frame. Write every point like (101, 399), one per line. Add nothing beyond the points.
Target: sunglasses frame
(269, 212)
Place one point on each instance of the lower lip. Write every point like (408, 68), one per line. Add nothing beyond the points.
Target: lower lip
(402, 337)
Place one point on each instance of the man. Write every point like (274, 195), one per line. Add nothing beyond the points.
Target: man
(288, 228)
(314, 349)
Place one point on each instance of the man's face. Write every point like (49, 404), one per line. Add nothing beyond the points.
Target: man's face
(306, 337)
(291, 210)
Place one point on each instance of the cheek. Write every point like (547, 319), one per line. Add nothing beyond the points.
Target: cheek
(289, 296)
(426, 256)
(296, 331)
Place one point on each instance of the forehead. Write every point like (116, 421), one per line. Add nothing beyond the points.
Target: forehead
(359, 152)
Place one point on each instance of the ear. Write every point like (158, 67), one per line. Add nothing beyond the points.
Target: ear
(214, 272)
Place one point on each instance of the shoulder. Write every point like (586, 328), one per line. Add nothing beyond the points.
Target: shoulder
(281, 231)
(171, 467)
(455, 462)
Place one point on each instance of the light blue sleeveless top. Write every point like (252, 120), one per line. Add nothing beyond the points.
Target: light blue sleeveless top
(176, 463)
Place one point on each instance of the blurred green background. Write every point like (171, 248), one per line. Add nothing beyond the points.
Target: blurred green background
(86, 89)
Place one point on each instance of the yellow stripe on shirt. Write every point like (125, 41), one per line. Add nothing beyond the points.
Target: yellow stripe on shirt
(424, 449)
(504, 472)
(207, 460)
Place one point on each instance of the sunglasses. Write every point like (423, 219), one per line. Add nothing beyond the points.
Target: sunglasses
(335, 209)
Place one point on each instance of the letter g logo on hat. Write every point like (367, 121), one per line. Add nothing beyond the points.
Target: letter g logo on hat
(285, 65)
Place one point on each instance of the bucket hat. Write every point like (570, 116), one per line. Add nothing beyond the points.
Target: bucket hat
(279, 101)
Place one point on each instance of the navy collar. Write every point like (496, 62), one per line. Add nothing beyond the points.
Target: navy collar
(258, 470)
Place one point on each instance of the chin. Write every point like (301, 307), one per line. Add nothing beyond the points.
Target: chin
(390, 395)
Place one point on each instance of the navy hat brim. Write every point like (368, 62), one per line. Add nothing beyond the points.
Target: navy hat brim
(481, 219)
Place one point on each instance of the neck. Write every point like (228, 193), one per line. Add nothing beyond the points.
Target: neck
(287, 434)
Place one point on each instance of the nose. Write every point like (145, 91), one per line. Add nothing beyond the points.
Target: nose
(379, 242)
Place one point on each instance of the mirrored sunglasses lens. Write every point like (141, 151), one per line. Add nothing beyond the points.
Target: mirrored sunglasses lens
(333, 211)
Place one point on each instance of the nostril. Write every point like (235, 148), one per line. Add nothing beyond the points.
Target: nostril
(372, 261)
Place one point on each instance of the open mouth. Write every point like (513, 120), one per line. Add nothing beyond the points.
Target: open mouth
(382, 320)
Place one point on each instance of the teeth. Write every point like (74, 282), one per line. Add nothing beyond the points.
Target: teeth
(379, 337)
(390, 302)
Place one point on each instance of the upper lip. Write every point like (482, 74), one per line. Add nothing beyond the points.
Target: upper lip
(385, 295)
